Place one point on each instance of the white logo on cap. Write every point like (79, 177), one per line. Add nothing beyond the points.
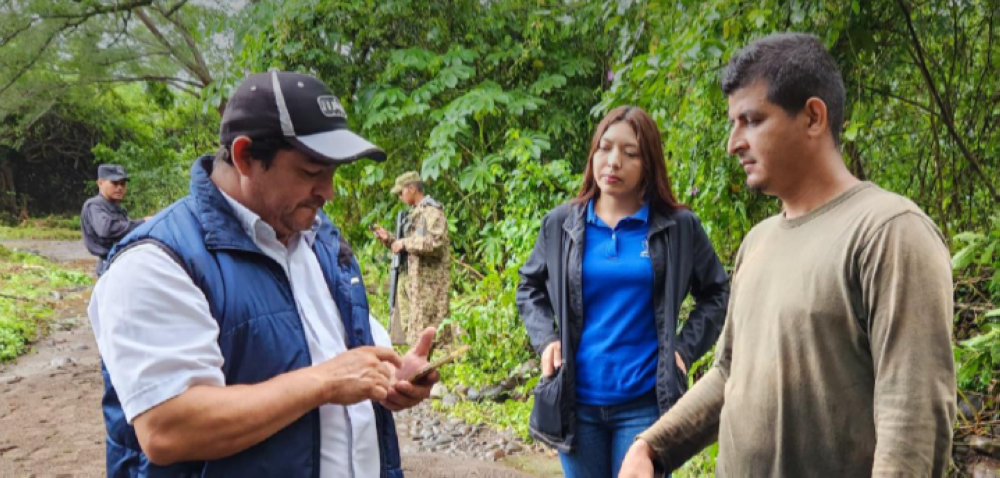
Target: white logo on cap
(330, 106)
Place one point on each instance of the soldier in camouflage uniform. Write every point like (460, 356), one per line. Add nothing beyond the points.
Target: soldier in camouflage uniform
(423, 289)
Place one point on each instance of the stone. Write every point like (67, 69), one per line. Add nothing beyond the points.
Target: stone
(985, 446)
(496, 455)
(449, 400)
(985, 469)
(970, 405)
(495, 393)
(12, 379)
(473, 394)
(60, 362)
(508, 384)
(527, 369)
(442, 440)
(513, 447)
(438, 390)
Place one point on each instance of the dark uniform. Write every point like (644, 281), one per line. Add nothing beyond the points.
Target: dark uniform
(105, 222)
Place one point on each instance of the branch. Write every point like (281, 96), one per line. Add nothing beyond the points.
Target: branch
(202, 73)
(946, 113)
(163, 41)
(179, 83)
(101, 10)
(925, 108)
(133, 59)
(469, 268)
(15, 33)
(14, 297)
(973, 308)
(31, 64)
(173, 9)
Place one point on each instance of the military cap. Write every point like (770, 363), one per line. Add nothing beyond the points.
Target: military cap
(404, 179)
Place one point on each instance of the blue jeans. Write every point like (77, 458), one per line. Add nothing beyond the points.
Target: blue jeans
(604, 434)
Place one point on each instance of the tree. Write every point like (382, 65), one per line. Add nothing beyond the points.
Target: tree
(52, 52)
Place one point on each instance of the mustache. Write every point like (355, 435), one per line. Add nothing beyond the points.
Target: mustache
(314, 203)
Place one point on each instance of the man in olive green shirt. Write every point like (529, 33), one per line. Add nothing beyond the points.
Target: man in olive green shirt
(836, 358)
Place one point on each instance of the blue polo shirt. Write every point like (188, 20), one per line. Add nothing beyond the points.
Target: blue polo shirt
(616, 360)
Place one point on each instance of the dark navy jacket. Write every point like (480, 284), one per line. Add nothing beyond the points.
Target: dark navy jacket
(550, 301)
(260, 332)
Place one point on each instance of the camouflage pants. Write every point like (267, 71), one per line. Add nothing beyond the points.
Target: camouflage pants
(415, 315)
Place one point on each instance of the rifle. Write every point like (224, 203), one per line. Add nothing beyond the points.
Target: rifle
(398, 264)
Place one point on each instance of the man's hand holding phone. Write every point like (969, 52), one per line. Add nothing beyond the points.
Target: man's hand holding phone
(405, 394)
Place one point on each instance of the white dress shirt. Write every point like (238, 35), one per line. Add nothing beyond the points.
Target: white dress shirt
(158, 338)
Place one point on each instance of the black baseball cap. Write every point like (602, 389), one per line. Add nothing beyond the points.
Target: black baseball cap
(299, 108)
(111, 172)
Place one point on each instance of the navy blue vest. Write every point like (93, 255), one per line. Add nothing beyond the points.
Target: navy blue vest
(260, 336)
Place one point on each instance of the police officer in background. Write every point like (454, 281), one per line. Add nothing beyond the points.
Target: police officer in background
(103, 219)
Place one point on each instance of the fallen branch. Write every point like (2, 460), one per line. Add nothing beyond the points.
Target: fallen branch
(974, 308)
(14, 297)
(469, 268)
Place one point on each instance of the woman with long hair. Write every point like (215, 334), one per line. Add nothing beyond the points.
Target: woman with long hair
(600, 297)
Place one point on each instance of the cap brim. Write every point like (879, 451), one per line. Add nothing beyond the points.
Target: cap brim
(337, 147)
(396, 190)
(116, 177)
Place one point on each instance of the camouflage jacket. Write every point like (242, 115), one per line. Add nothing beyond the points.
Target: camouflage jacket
(426, 230)
(428, 249)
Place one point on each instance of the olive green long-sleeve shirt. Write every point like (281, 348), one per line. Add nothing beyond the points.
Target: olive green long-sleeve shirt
(836, 357)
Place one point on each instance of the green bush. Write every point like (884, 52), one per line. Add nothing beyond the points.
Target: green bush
(25, 301)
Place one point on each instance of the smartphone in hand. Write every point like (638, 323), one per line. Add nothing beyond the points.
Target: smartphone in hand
(427, 369)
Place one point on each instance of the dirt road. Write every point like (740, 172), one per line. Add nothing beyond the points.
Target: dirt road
(50, 416)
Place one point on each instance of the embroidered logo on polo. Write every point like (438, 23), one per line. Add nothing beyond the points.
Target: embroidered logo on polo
(645, 248)
(331, 107)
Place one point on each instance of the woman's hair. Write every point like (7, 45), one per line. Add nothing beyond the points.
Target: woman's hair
(655, 182)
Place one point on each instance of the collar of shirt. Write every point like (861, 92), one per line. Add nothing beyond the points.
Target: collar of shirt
(116, 205)
(259, 230)
(642, 215)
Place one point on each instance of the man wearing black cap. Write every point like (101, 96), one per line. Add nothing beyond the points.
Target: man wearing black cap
(103, 219)
(234, 326)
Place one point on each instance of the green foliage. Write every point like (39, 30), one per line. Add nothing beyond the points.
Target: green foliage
(511, 415)
(489, 118)
(25, 302)
(978, 358)
(156, 144)
(980, 252)
(52, 227)
(926, 136)
(701, 465)
(493, 329)
(978, 263)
